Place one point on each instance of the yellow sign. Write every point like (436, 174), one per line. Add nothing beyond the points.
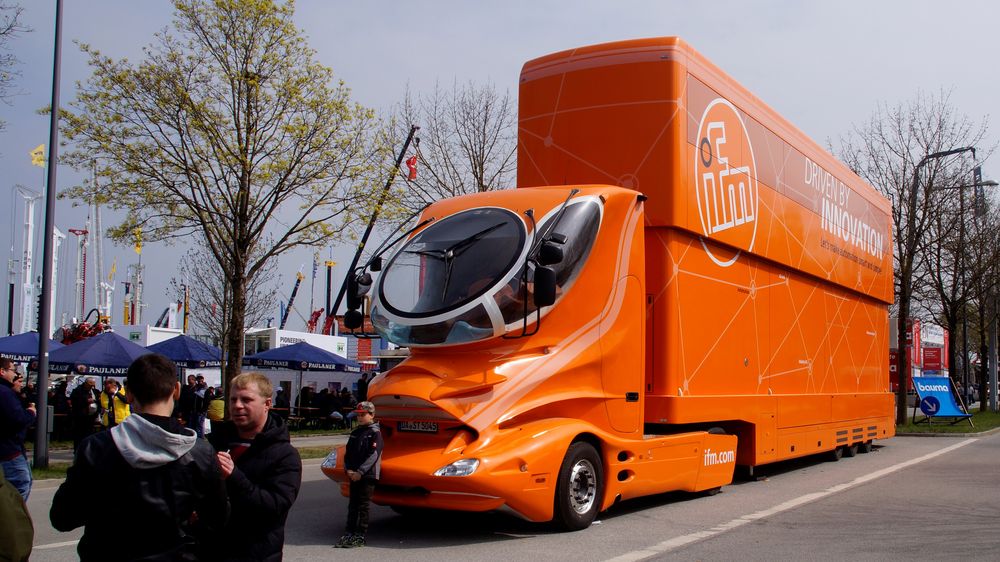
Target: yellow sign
(38, 156)
(138, 240)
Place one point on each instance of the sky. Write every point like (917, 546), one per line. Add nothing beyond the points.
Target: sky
(826, 66)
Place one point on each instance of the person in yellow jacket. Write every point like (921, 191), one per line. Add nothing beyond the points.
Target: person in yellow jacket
(114, 406)
(216, 406)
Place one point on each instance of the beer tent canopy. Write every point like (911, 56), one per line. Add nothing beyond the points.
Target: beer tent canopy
(23, 347)
(188, 352)
(302, 356)
(106, 354)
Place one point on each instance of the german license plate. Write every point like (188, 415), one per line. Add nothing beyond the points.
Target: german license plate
(418, 426)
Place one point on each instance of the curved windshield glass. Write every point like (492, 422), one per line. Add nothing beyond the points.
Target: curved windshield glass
(464, 278)
(578, 226)
(453, 261)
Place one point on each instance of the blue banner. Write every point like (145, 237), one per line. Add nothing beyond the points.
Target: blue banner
(936, 397)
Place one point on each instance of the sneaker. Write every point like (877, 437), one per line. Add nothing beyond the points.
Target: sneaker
(344, 541)
(356, 541)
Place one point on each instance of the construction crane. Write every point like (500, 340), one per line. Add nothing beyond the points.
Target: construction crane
(284, 317)
(27, 264)
(80, 296)
(103, 288)
(314, 319)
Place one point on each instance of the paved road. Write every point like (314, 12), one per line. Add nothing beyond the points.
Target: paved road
(932, 498)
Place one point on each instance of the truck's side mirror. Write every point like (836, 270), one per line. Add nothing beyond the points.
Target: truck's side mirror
(550, 253)
(545, 286)
(353, 319)
(357, 287)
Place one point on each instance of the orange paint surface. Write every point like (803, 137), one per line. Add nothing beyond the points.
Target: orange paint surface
(738, 283)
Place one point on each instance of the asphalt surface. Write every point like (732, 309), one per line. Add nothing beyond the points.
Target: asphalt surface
(913, 496)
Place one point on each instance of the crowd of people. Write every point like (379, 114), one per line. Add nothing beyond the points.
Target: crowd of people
(190, 494)
(328, 408)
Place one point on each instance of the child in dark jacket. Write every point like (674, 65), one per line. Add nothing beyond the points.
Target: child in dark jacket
(362, 462)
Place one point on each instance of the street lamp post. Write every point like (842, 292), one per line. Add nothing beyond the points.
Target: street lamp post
(906, 282)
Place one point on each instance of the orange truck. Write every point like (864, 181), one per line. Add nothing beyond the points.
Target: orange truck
(683, 282)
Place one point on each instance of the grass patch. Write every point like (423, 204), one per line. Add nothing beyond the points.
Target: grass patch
(984, 421)
(314, 452)
(55, 470)
(317, 432)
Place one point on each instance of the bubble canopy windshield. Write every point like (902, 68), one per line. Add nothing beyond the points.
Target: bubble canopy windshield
(461, 279)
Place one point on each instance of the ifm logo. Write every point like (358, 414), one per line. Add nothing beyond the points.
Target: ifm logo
(712, 458)
(726, 179)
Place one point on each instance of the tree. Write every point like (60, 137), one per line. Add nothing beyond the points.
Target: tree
(984, 245)
(904, 151)
(10, 27)
(208, 295)
(228, 130)
(469, 142)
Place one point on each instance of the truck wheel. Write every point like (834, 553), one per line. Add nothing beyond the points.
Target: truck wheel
(851, 450)
(834, 455)
(579, 488)
(866, 447)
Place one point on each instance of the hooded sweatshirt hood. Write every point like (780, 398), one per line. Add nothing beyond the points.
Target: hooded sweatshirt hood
(144, 444)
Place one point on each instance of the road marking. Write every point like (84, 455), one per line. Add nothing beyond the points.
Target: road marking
(677, 542)
(54, 545)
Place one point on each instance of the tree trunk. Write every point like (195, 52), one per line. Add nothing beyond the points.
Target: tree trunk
(235, 335)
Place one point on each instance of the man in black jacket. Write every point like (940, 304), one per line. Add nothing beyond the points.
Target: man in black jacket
(85, 402)
(263, 471)
(14, 423)
(147, 488)
(363, 464)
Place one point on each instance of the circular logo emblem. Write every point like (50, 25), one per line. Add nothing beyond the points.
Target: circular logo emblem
(725, 180)
(930, 406)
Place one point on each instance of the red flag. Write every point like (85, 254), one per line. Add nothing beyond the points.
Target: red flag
(411, 163)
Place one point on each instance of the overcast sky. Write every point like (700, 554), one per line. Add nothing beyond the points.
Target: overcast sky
(824, 65)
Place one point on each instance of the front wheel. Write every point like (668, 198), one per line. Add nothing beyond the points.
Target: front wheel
(580, 487)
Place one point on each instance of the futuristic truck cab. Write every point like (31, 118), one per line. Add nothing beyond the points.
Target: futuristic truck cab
(696, 286)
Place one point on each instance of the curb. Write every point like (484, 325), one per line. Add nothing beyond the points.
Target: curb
(977, 434)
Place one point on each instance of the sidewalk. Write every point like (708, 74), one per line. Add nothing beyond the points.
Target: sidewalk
(331, 441)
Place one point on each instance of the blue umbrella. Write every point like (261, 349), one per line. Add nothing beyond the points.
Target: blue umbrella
(23, 347)
(104, 355)
(188, 352)
(302, 356)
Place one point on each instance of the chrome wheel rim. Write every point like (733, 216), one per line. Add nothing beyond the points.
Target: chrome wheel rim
(582, 486)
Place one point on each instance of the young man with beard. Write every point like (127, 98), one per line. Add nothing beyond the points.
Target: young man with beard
(148, 488)
(262, 469)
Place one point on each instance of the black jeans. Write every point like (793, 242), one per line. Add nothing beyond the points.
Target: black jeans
(357, 506)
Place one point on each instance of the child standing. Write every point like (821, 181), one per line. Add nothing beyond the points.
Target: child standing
(362, 463)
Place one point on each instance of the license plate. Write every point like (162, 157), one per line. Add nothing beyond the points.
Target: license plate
(418, 426)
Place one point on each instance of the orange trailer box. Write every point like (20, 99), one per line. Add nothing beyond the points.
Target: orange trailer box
(718, 289)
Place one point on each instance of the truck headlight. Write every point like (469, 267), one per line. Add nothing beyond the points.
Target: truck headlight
(331, 460)
(461, 467)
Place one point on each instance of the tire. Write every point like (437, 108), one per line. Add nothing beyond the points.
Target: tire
(835, 455)
(580, 488)
(851, 450)
(865, 447)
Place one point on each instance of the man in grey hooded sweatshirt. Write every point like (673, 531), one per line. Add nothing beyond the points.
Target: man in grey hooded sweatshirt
(147, 488)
